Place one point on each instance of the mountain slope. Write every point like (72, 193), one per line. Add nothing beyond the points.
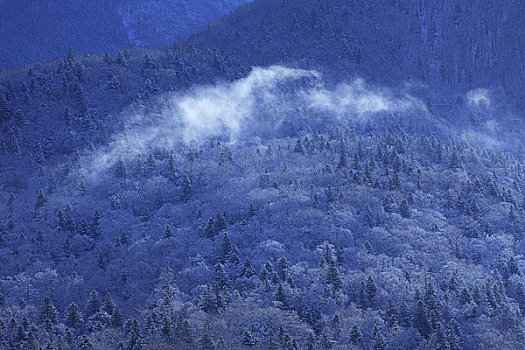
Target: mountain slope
(447, 45)
(178, 198)
(34, 31)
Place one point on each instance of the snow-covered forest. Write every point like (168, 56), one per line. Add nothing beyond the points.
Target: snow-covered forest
(331, 175)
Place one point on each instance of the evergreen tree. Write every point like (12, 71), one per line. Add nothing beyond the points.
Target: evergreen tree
(310, 342)
(343, 162)
(356, 337)
(248, 339)
(209, 232)
(48, 313)
(95, 225)
(120, 170)
(226, 249)
(371, 290)
(116, 318)
(41, 201)
(220, 222)
(329, 194)
(93, 304)
(332, 276)
(283, 269)
(108, 305)
(206, 343)
(187, 189)
(73, 316)
(455, 163)
(421, 321)
(167, 232)
(208, 300)
(379, 341)
(299, 147)
(404, 209)
(221, 280)
(280, 295)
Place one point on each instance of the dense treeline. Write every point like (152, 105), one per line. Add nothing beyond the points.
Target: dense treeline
(384, 231)
(346, 237)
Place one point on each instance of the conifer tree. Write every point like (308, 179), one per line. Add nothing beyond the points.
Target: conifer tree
(116, 318)
(379, 341)
(371, 290)
(221, 280)
(404, 209)
(93, 304)
(73, 316)
(356, 337)
(41, 201)
(167, 232)
(421, 321)
(108, 305)
(299, 147)
(248, 339)
(48, 313)
(206, 343)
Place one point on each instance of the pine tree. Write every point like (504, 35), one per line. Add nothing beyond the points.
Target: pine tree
(332, 276)
(220, 277)
(166, 290)
(48, 313)
(371, 290)
(11, 203)
(167, 329)
(226, 248)
(330, 194)
(206, 343)
(209, 231)
(299, 147)
(73, 316)
(283, 269)
(404, 209)
(108, 305)
(421, 321)
(379, 341)
(167, 232)
(248, 339)
(220, 222)
(455, 163)
(343, 162)
(101, 262)
(93, 304)
(356, 337)
(440, 340)
(95, 225)
(208, 300)
(187, 189)
(116, 318)
(280, 294)
(271, 340)
(120, 170)
(41, 201)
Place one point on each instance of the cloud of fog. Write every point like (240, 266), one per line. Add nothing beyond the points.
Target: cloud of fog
(252, 106)
(358, 99)
(479, 97)
(226, 109)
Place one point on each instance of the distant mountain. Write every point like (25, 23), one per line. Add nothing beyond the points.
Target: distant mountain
(445, 44)
(34, 31)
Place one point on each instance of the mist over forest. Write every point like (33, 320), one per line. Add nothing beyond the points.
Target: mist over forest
(277, 175)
